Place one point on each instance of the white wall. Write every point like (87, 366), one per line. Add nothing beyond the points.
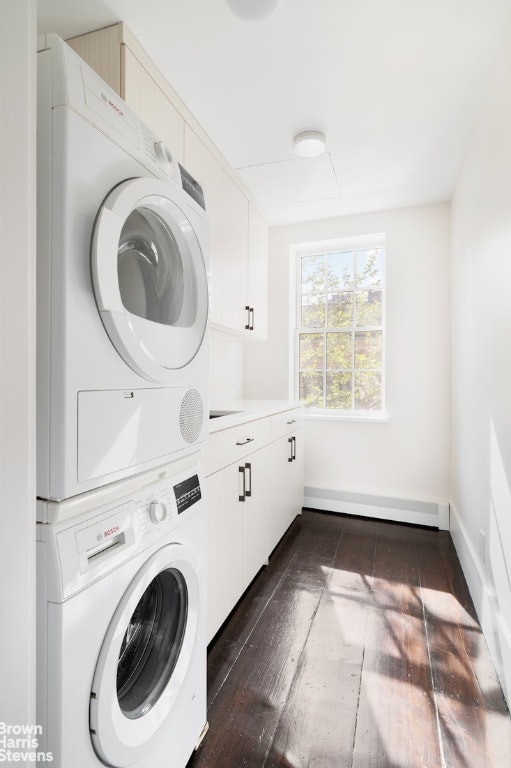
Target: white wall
(408, 457)
(17, 364)
(226, 369)
(481, 393)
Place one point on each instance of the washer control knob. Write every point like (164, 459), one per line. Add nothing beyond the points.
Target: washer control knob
(158, 512)
(163, 155)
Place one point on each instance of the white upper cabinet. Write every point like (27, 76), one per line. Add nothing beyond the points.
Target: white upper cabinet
(234, 255)
(257, 275)
(102, 51)
(244, 263)
(146, 98)
(239, 234)
(208, 172)
(239, 245)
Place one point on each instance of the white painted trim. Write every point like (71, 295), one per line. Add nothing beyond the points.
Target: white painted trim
(497, 635)
(469, 560)
(379, 417)
(415, 512)
(444, 515)
(292, 351)
(17, 364)
(327, 246)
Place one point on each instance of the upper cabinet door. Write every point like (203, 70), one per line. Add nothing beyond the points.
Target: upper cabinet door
(207, 170)
(257, 277)
(235, 255)
(146, 98)
(101, 51)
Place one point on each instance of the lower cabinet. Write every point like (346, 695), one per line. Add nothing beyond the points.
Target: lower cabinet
(286, 482)
(251, 503)
(237, 510)
(225, 561)
(254, 504)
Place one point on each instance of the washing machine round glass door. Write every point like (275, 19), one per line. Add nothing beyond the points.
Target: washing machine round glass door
(145, 656)
(149, 276)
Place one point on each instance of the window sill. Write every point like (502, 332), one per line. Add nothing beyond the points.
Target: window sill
(382, 417)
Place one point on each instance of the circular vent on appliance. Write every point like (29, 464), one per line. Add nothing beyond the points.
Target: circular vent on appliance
(191, 416)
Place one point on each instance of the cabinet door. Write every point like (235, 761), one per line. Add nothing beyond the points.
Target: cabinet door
(296, 477)
(234, 255)
(101, 50)
(287, 486)
(208, 172)
(280, 503)
(257, 279)
(225, 556)
(146, 98)
(254, 511)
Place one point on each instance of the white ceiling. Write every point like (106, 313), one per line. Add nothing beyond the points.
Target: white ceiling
(395, 85)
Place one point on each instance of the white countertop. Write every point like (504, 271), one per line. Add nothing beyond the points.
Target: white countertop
(242, 411)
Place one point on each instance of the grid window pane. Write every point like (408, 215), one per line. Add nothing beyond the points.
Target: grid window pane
(311, 390)
(340, 333)
(340, 309)
(368, 391)
(339, 267)
(313, 311)
(312, 350)
(368, 307)
(369, 267)
(339, 350)
(338, 390)
(313, 274)
(368, 349)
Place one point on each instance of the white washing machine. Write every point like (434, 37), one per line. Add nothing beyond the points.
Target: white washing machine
(121, 632)
(122, 256)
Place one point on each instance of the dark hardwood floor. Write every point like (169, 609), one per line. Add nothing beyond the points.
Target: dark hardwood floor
(356, 647)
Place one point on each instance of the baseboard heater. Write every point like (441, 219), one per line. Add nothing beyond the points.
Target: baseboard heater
(431, 513)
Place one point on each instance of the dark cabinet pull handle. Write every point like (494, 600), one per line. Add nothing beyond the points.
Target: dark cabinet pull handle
(242, 495)
(292, 421)
(290, 441)
(244, 442)
(250, 318)
(248, 491)
(294, 448)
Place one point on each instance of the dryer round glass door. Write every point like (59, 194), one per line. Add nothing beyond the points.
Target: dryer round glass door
(150, 278)
(145, 656)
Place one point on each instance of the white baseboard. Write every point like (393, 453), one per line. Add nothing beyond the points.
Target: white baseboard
(435, 514)
(496, 629)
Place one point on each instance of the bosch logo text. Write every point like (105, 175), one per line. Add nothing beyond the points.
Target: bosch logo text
(112, 105)
(111, 531)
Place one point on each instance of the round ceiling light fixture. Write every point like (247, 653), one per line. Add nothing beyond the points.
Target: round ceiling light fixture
(252, 10)
(310, 143)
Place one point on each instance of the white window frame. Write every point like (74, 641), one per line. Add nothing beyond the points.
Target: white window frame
(319, 248)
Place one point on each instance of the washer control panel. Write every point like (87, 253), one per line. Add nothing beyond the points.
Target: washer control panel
(187, 493)
(168, 501)
(158, 512)
(82, 548)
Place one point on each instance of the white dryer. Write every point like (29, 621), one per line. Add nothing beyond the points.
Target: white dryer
(122, 259)
(121, 632)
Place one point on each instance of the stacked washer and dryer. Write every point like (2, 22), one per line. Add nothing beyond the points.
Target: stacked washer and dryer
(122, 417)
